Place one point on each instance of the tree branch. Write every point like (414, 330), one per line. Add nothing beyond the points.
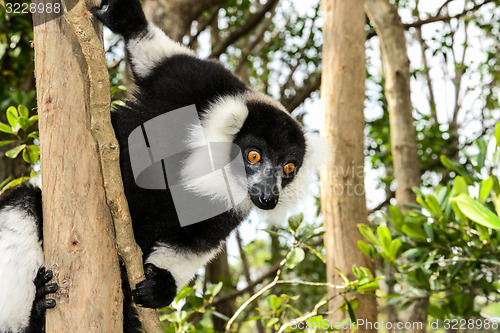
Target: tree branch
(244, 29)
(204, 25)
(311, 84)
(437, 18)
(108, 149)
(245, 52)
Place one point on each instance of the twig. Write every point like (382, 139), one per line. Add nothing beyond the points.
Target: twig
(244, 29)
(255, 296)
(454, 261)
(204, 25)
(382, 204)
(437, 18)
(311, 84)
(245, 52)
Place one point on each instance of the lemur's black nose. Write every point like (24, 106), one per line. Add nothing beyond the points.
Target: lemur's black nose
(268, 201)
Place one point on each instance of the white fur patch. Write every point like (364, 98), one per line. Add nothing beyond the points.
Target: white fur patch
(21, 256)
(222, 121)
(147, 50)
(182, 265)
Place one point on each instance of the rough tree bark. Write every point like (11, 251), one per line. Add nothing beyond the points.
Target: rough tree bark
(342, 179)
(84, 49)
(390, 31)
(79, 238)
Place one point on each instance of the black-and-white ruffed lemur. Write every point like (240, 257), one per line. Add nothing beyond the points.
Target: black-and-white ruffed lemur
(277, 156)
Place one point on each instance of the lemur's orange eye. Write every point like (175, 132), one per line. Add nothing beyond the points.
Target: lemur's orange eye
(288, 168)
(253, 156)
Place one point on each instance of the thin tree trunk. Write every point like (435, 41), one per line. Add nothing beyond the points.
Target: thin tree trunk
(79, 241)
(342, 180)
(215, 271)
(390, 31)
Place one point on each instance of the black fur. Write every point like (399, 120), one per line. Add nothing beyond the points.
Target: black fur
(27, 198)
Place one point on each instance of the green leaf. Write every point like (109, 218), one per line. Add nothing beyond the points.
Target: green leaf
(15, 182)
(273, 301)
(394, 248)
(497, 134)
(115, 89)
(273, 233)
(184, 292)
(485, 189)
(23, 111)
(477, 212)
(12, 153)
(368, 234)
(12, 118)
(315, 252)
(342, 275)
(460, 185)
(414, 231)
(5, 182)
(434, 205)
(457, 168)
(6, 128)
(370, 286)
(422, 203)
(24, 124)
(414, 252)
(367, 249)
(492, 311)
(481, 156)
(31, 154)
(271, 322)
(350, 310)
(385, 237)
(396, 216)
(429, 232)
(214, 289)
(295, 221)
(6, 142)
(295, 257)
(34, 135)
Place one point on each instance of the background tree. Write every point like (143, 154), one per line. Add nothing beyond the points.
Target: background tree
(390, 31)
(342, 92)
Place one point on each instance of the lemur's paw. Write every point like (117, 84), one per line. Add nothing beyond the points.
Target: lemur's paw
(158, 290)
(124, 17)
(41, 304)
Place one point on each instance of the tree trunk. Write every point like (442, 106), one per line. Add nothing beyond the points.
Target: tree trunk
(215, 271)
(342, 180)
(79, 239)
(390, 31)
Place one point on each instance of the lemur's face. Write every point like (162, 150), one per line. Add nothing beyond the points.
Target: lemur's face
(273, 148)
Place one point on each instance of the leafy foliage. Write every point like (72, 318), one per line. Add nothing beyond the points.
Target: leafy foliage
(449, 243)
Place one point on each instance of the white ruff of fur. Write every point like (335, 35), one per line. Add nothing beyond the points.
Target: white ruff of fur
(181, 264)
(20, 258)
(147, 50)
(222, 122)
